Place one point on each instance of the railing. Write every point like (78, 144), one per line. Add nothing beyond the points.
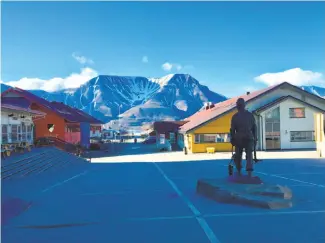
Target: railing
(57, 142)
(68, 147)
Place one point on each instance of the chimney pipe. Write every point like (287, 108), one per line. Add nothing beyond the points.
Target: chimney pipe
(247, 93)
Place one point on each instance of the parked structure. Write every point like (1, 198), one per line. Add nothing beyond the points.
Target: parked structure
(17, 122)
(284, 115)
(166, 133)
(109, 134)
(61, 121)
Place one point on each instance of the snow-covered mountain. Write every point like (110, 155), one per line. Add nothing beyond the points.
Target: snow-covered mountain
(320, 91)
(137, 99)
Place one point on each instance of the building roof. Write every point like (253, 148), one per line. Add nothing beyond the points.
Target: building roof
(167, 126)
(283, 98)
(229, 105)
(64, 111)
(73, 114)
(21, 109)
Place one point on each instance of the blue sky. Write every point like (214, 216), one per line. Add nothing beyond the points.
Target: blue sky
(225, 45)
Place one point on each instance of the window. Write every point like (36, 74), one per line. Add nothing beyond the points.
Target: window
(23, 129)
(14, 133)
(162, 138)
(297, 112)
(29, 132)
(4, 131)
(302, 136)
(180, 137)
(172, 137)
(212, 138)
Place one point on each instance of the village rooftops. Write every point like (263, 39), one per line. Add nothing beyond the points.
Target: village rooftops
(70, 114)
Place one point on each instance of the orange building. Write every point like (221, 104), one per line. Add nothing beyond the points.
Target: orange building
(61, 121)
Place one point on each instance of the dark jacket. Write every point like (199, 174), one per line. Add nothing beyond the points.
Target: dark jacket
(243, 127)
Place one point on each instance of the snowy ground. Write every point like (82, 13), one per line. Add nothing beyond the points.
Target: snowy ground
(156, 202)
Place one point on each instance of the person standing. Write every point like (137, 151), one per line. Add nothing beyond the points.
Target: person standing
(243, 136)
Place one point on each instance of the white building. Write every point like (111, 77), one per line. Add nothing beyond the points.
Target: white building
(284, 116)
(17, 123)
(109, 133)
(95, 130)
(287, 123)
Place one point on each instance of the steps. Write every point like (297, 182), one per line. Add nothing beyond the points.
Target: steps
(37, 162)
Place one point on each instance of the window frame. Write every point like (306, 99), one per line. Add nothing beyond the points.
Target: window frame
(198, 136)
(301, 141)
(294, 117)
(4, 134)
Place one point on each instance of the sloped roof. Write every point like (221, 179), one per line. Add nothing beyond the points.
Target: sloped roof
(64, 111)
(229, 105)
(285, 98)
(73, 114)
(219, 109)
(167, 126)
(21, 109)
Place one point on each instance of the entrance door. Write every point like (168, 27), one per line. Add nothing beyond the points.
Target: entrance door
(272, 129)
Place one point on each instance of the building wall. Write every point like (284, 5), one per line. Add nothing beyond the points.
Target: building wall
(41, 129)
(5, 120)
(288, 124)
(320, 134)
(95, 131)
(220, 125)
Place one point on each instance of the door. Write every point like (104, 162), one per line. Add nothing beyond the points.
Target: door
(172, 137)
(272, 129)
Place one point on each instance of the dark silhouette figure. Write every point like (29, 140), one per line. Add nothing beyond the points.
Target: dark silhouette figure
(243, 136)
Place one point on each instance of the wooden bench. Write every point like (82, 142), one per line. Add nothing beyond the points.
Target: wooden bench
(211, 150)
(6, 150)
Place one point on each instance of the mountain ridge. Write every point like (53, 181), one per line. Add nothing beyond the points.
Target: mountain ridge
(135, 100)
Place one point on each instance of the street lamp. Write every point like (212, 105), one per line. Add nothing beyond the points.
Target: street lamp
(119, 113)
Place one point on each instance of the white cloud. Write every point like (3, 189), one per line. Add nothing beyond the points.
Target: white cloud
(145, 59)
(82, 59)
(74, 80)
(295, 76)
(167, 66)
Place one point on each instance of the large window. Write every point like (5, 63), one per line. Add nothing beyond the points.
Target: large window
(4, 131)
(212, 138)
(14, 133)
(29, 132)
(23, 132)
(297, 112)
(302, 136)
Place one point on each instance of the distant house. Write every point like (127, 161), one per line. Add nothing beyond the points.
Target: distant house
(166, 133)
(17, 122)
(61, 121)
(284, 115)
(109, 133)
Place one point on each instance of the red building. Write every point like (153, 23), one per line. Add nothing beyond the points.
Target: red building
(61, 121)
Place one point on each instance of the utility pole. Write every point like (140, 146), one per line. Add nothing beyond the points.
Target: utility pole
(119, 126)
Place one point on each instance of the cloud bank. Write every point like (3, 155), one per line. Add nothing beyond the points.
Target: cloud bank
(74, 80)
(295, 76)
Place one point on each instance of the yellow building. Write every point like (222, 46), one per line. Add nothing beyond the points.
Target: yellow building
(284, 117)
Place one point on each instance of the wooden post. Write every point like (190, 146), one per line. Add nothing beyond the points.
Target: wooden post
(319, 134)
